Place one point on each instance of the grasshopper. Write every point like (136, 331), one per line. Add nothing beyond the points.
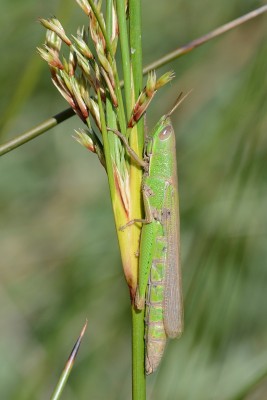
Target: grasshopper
(159, 281)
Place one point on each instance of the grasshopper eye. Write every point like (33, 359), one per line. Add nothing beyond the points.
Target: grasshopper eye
(165, 133)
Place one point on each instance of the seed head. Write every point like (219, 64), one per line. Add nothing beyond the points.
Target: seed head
(84, 139)
(110, 87)
(51, 57)
(95, 31)
(165, 78)
(84, 6)
(72, 63)
(60, 85)
(89, 140)
(82, 47)
(83, 63)
(66, 79)
(54, 25)
(78, 97)
(105, 63)
(53, 41)
(147, 95)
(93, 109)
(151, 84)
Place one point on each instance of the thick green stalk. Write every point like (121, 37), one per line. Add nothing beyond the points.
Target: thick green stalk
(138, 351)
(110, 113)
(124, 42)
(137, 143)
(137, 61)
(136, 44)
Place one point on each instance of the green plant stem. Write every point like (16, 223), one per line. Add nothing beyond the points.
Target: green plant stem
(36, 131)
(110, 113)
(125, 55)
(136, 44)
(50, 123)
(138, 349)
(109, 17)
(203, 39)
(136, 62)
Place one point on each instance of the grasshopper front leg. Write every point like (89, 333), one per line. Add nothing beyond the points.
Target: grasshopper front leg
(131, 152)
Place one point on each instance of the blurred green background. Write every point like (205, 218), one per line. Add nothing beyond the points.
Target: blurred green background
(60, 261)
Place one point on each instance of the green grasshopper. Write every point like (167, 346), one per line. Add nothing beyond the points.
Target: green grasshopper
(159, 280)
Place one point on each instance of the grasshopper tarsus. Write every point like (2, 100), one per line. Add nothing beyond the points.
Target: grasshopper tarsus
(133, 221)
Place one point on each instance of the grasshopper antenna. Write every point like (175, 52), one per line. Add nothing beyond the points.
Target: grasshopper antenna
(178, 101)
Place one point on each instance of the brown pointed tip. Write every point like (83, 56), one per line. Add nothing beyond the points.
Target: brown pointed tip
(75, 349)
(84, 328)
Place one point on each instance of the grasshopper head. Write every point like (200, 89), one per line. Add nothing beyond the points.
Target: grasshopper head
(162, 136)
